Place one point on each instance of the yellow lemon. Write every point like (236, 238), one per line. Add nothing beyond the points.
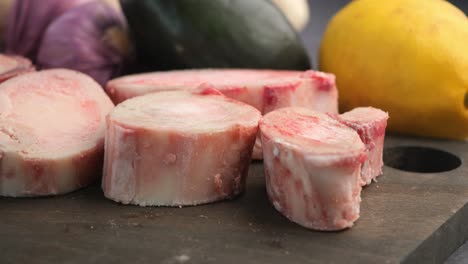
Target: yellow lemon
(408, 57)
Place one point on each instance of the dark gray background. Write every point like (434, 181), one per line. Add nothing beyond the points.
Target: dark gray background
(320, 13)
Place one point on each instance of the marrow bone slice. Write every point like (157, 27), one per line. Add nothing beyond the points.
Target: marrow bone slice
(312, 168)
(177, 148)
(51, 132)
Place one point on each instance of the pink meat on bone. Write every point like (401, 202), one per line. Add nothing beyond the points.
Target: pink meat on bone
(312, 168)
(266, 90)
(178, 148)
(370, 123)
(11, 66)
(51, 132)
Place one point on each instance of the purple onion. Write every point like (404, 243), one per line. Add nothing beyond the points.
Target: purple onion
(28, 20)
(91, 38)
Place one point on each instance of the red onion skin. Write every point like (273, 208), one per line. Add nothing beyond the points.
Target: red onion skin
(28, 20)
(83, 40)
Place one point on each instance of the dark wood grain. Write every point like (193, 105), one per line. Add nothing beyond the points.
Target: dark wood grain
(406, 218)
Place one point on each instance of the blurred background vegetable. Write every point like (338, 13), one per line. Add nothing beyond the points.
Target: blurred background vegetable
(407, 57)
(209, 34)
(91, 38)
(297, 12)
(27, 21)
(114, 3)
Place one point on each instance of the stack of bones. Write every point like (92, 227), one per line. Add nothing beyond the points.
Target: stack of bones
(187, 137)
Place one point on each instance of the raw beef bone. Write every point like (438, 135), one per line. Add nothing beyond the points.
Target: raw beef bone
(11, 66)
(266, 90)
(312, 168)
(177, 148)
(370, 123)
(51, 132)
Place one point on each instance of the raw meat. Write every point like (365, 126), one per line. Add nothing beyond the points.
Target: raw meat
(177, 148)
(266, 90)
(51, 132)
(312, 168)
(11, 66)
(370, 123)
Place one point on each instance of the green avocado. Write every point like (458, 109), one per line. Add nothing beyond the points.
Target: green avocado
(178, 34)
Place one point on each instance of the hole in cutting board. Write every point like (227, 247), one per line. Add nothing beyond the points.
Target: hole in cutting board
(420, 159)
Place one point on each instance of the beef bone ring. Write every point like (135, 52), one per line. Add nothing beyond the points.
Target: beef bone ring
(51, 132)
(177, 148)
(312, 168)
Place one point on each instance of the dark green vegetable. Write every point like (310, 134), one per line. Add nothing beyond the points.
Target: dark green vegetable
(213, 33)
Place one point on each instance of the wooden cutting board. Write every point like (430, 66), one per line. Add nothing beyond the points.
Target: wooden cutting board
(406, 217)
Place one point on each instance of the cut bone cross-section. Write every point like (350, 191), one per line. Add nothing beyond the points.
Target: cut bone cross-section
(312, 168)
(51, 132)
(176, 148)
